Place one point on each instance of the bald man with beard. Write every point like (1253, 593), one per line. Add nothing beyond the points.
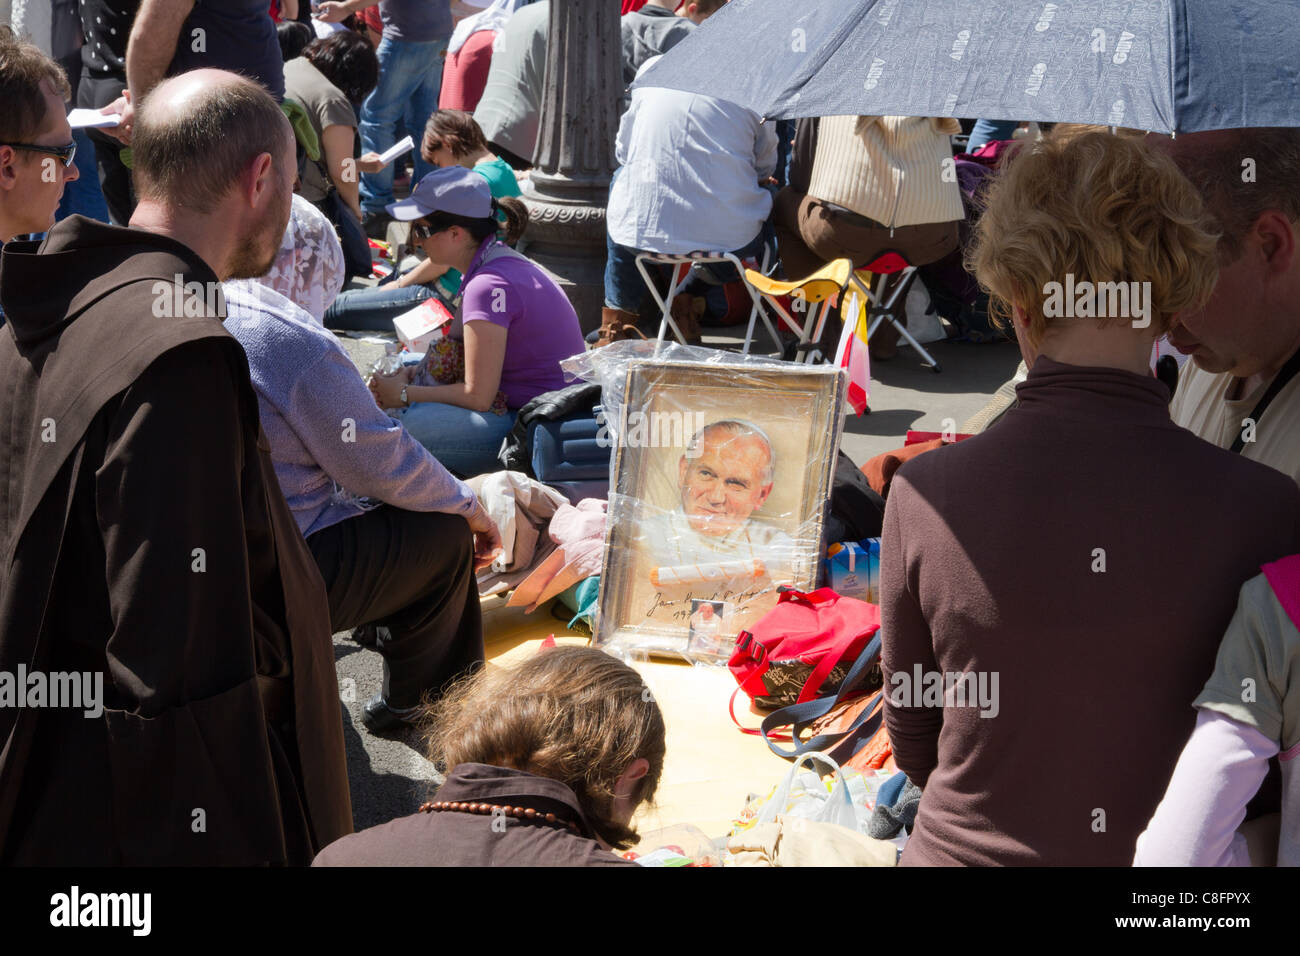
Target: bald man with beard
(146, 542)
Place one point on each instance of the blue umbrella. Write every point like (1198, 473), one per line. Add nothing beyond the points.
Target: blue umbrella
(1160, 65)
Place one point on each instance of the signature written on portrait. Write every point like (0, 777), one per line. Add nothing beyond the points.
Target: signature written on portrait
(682, 607)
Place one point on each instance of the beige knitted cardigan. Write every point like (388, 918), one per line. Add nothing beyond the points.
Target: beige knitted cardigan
(896, 170)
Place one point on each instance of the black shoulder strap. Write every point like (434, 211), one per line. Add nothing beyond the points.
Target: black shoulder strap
(1279, 382)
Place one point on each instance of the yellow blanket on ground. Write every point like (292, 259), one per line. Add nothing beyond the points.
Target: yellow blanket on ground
(711, 766)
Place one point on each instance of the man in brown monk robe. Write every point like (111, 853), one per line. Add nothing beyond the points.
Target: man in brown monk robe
(145, 545)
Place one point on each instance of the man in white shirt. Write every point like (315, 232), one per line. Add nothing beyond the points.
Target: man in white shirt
(690, 178)
(706, 635)
(1245, 344)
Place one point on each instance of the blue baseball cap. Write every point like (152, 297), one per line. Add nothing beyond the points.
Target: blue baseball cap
(452, 189)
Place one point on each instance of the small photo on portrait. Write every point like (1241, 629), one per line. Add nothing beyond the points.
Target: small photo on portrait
(709, 634)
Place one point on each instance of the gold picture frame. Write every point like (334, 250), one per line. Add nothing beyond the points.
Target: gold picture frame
(721, 481)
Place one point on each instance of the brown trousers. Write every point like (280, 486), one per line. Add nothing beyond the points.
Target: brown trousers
(809, 234)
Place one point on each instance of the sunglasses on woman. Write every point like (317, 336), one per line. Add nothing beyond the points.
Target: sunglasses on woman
(421, 231)
(65, 153)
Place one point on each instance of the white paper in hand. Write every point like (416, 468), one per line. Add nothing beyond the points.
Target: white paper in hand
(420, 326)
(326, 30)
(405, 146)
(92, 119)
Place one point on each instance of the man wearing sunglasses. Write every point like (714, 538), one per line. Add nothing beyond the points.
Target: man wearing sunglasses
(36, 147)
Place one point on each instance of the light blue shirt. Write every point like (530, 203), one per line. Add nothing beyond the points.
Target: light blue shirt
(330, 444)
(690, 172)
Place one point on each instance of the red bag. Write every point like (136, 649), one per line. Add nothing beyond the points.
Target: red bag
(802, 647)
(739, 303)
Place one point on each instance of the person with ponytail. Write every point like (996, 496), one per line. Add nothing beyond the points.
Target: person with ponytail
(512, 325)
(451, 138)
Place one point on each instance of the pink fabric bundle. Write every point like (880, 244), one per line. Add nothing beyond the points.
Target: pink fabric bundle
(579, 533)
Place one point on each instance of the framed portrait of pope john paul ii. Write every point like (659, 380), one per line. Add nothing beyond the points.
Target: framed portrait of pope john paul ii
(722, 478)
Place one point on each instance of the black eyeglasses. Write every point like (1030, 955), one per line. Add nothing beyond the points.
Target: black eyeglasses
(65, 153)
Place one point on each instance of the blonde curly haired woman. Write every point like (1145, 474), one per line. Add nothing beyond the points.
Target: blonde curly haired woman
(1075, 612)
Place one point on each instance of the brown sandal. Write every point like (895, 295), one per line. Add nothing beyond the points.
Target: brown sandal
(615, 326)
(686, 310)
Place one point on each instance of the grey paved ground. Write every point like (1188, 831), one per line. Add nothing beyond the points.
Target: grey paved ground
(905, 394)
(390, 778)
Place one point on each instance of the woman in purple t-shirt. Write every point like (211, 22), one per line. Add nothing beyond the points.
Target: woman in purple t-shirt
(513, 326)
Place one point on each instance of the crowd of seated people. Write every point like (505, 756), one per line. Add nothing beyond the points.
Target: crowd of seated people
(395, 536)
(513, 325)
(451, 138)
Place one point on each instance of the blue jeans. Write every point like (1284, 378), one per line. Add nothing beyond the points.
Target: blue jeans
(84, 197)
(785, 130)
(465, 441)
(989, 131)
(410, 79)
(626, 290)
(373, 310)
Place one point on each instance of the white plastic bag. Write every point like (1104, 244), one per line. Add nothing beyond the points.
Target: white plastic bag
(925, 326)
(799, 796)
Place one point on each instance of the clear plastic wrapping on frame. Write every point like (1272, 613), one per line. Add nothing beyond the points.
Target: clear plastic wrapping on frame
(720, 479)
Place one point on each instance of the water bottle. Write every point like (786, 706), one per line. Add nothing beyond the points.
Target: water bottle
(390, 363)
